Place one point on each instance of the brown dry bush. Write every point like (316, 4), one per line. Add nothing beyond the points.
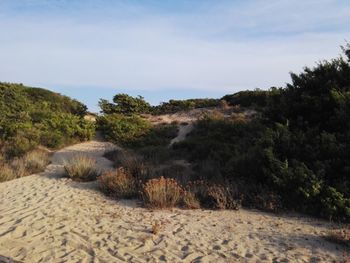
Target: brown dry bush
(118, 183)
(161, 193)
(81, 168)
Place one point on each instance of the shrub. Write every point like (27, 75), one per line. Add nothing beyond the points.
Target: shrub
(118, 183)
(36, 161)
(221, 198)
(123, 129)
(81, 168)
(161, 193)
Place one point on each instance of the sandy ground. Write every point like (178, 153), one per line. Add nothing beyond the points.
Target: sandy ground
(47, 218)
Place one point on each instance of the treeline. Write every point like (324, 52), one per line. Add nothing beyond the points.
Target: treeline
(126, 104)
(32, 116)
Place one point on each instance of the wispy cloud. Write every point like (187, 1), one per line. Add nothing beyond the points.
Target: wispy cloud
(150, 45)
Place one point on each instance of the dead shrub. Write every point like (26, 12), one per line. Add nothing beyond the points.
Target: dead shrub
(81, 168)
(161, 193)
(19, 167)
(214, 196)
(221, 198)
(118, 183)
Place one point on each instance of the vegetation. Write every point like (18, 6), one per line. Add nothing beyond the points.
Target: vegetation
(173, 106)
(33, 116)
(299, 149)
(118, 183)
(32, 162)
(81, 168)
(161, 193)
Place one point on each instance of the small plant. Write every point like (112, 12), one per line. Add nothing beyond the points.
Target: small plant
(340, 236)
(190, 201)
(161, 193)
(81, 168)
(156, 227)
(118, 183)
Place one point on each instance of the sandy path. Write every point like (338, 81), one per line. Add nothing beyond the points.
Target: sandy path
(46, 218)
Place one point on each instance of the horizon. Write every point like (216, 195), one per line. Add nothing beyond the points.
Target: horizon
(165, 49)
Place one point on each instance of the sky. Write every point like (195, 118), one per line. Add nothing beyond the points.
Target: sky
(162, 49)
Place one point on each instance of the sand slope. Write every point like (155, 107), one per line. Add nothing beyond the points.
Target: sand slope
(46, 218)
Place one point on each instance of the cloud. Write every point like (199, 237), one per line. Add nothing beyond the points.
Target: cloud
(226, 46)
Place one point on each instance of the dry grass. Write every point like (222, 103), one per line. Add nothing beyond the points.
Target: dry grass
(161, 193)
(340, 236)
(81, 168)
(190, 201)
(6, 173)
(119, 183)
(36, 161)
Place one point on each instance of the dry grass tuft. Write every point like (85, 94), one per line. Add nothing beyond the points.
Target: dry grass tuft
(6, 173)
(156, 227)
(81, 168)
(119, 183)
(340, 236)
(161, 193)
(190, 201)
(36, 161)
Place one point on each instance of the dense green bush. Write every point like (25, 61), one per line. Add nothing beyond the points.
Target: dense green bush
(33, 116)
(123, 129)
(299, 148)
(173, 106)
(125, 104)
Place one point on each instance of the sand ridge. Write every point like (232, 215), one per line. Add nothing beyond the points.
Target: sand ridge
(48, 218)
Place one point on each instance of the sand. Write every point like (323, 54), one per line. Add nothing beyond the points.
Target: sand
(48, 218)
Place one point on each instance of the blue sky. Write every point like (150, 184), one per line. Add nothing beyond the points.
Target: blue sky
(165, 49)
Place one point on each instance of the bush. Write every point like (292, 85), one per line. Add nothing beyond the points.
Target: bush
(161, 193)
(121, 129)
(118, 183)
(81, 168)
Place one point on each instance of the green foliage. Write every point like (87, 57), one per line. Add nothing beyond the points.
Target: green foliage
(125, 104)
(173, 106)
(253, 98)
(299, 148)
(33, 116)
(123, 129)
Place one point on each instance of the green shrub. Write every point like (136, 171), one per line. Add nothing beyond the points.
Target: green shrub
(81, 168)
(123, 129)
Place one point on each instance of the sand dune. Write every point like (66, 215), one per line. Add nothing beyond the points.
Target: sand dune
(47, 218)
